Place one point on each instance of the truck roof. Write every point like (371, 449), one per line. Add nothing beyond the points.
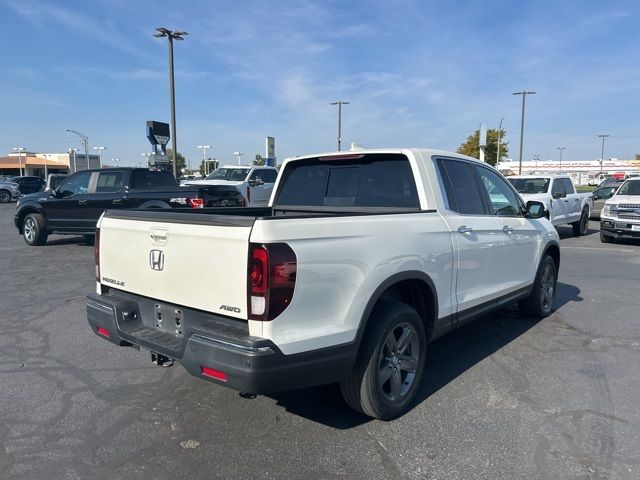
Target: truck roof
(541, 175)
(424, 152)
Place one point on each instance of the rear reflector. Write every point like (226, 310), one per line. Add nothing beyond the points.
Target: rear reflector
(213, 373)
(96, 255)
(103, 331)
(196, 202)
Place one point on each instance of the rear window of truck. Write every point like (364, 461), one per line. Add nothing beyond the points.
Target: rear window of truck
(153, 179)
(372, 180)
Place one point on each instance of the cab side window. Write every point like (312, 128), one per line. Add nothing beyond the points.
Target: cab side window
(501, 198)
(461, 188)
(270, 176)
(568, 185)
(110, 182)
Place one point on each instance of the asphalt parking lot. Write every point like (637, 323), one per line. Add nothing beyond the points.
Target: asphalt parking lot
(503, 398)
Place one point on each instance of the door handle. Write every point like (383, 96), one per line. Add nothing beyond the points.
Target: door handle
(464, 229)
(82, 202)
(507, 229)
(117, 201)
(566, 201)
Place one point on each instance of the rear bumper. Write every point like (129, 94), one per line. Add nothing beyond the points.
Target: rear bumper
(250, 364)
(620, 227)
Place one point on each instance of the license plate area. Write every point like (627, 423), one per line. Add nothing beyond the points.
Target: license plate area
(168, 319)
(635, 228)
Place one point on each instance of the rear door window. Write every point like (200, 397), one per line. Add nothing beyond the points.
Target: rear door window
(372, 180)
(568, 185)
(461, 188)
(110, 182)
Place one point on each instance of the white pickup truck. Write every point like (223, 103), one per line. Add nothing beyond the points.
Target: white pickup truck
(620, 215)
(563, 204)
(255, 183)
(360, 260)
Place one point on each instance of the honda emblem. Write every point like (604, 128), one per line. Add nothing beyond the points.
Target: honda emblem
(156, 260)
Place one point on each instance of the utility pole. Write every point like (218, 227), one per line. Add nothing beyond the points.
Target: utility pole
(603, 137)
(85, 140)
(339, 103)
(73, 151)
(562, 149)
(499, 138)
(20, 150)
(524, 94)
(171, 36)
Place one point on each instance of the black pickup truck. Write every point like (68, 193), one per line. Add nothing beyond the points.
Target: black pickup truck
(76, 204)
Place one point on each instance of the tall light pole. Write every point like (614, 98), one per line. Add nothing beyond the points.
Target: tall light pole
(499, 137)
(100, 149)
(339, 103)
(146, 155)
(72, 151)
(239, 157)
(171, 36)
(204, 158)
(562, 149)
(536, 157)
(20, 150)
(115, 161)
(603, 137)
(524, 94)
(85, 140)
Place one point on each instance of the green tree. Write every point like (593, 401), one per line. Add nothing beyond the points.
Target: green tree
(181, 162)
(259, 160)
(471, 146)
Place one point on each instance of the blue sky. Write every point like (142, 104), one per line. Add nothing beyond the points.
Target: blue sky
(417, 73)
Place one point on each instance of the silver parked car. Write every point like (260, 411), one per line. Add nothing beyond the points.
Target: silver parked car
(9, 191)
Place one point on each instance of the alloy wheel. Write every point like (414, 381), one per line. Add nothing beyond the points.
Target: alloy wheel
(547, 287)
(29, 229)
(398, 361)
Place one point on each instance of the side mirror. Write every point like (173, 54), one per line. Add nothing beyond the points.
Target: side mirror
(53, 192)
(596, 197)
(534, 209)
(255, 182)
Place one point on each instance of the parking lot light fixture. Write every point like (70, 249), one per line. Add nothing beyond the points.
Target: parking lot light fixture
(524, 94)
(204, 157)
(100, 149)
(339, 103)
(85, 140)
(20, 150)
(171, 36)
(603, 137)
(239, 157)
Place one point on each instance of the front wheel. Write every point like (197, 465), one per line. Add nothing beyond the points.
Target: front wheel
(388, 370)
(581, 227)
(5, 196)
(606, 238)
(540, 301)
(34, 230)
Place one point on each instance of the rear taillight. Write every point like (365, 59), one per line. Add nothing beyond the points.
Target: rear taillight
(195, 202)
(271, 280)
(96, 253)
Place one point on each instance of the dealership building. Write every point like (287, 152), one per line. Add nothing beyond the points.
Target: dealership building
(36, 163)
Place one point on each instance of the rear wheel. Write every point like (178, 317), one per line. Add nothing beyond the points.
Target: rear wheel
(388, 371)
(540, 301)
(34, 229)
(581, 227)
(5, 196)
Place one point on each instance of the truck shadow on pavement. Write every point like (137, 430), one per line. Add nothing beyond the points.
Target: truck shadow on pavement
(447, 359)
(69, 241)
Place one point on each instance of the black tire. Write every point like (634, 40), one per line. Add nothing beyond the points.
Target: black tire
(5, 196)
(604, 238)
(385, 379)
(539, 303)
(34, 229)
(581, 227)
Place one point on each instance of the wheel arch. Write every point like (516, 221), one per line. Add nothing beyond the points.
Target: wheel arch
(415, 288)
(155, 204)
(553, 250)
(27, 210)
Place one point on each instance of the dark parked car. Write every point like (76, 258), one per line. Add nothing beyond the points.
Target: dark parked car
(75, 205)
(601, 195)
(28, 184)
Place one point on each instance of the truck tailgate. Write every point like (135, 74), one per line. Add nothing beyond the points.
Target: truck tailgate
(189, 259)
